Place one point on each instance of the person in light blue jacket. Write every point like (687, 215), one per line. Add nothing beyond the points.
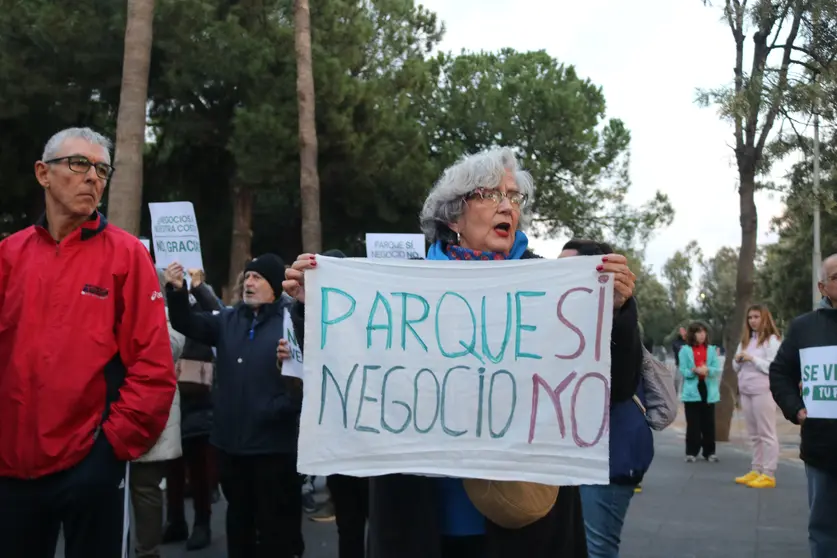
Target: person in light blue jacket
(701, 369)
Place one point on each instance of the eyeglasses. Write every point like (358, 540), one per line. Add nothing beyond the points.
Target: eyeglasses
(81, 165)
(517, 199)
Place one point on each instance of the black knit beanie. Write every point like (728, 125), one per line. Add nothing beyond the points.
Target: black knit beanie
(271, 267)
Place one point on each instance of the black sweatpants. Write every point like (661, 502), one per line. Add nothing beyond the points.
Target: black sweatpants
(350, 496)
(264, 511)
(87, 499)
(700, 425)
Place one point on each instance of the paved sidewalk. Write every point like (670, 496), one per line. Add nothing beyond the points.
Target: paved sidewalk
(788, 433)
(695, 510)
(685, 511)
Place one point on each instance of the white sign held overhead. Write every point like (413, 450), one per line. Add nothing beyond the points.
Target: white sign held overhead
(174, 230)
(391, 246)
(495, 370)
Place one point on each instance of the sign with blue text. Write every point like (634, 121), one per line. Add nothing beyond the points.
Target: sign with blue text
(495, 370)
(174, 230)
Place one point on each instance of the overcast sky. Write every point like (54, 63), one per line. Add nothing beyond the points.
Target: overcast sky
(649, 57)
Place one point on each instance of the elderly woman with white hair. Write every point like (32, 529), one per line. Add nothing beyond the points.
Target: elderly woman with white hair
(474, 212)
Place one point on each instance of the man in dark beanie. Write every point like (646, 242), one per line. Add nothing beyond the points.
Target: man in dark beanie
(267, 267)
(256, 410)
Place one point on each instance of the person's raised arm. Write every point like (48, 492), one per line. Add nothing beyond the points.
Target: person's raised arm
(294, 285)
(626, 352)
(203, 327)
(138, 416)
(207, 301)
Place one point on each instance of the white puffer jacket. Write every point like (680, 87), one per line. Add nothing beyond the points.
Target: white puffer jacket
(168, 444)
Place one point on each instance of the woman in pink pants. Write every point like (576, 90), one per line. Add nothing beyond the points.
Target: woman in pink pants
(759, 343)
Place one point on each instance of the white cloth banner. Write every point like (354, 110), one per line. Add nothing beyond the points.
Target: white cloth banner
(293, 365)
(819, 381)
(391, 246)
(493, 370)
(174, 230)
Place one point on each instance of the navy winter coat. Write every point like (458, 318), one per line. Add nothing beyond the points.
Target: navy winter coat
(256, 409)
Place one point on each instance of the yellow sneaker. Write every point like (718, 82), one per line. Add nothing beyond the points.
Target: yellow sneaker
(763, 481)
(748, 478)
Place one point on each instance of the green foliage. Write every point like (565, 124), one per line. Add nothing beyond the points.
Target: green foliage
(652, 300)
(223, 110)
(59, 67)
(785, 276)
(556, 121)
(716, 297)
(678, 273)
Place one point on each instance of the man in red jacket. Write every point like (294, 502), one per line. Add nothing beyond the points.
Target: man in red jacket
(86, 371)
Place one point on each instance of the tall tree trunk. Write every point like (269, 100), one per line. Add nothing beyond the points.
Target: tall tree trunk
(309, 182)
(125, 196)
(743, 299)
(242, 234)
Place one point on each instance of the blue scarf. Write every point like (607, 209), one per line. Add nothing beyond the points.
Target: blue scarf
(457, 515)
(438, 251)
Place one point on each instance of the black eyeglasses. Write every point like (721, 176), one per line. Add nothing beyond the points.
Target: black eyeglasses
(81, 165)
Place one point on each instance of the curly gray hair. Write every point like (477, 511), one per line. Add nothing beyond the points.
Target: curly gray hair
(445, 203)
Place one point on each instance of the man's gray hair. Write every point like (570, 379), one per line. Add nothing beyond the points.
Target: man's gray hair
(53, 146)
(486, 169)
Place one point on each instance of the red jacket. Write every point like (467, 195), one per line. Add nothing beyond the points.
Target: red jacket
(84, 347)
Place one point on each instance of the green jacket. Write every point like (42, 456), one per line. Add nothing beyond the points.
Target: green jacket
(690, 393)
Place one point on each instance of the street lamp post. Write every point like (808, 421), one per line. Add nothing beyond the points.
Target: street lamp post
(816, 260)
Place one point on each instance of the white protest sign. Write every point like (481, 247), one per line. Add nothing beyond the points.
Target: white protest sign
(819, 381)
(293, 365)
(493, 370)
(174, 230)
(394, 246)
(146, 243)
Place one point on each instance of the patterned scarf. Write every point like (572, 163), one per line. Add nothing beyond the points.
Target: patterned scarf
(459, 253)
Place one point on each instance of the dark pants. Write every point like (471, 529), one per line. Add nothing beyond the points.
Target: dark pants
(350, 497)
(463, 547)
(88, 500)
(822, 521)
(147, 498)
(264, 496)
(198, 458)
(700, 425)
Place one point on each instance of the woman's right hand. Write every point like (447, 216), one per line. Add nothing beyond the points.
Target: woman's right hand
(174, 275)
(294, 283)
